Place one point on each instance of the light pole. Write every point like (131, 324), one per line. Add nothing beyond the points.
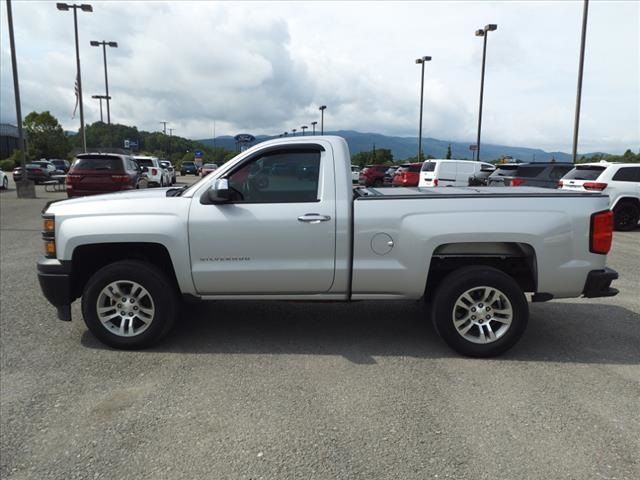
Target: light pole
(313, 124)
(322, 109)
(304, 128)
(294, 131)
(104, 44)
(101, 97)
(583, 38)
(421, 61)
(85, 8)
(483, 32)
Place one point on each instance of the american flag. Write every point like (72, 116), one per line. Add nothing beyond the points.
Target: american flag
(77, 98)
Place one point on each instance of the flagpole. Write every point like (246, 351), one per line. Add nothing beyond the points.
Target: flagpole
(79, 80)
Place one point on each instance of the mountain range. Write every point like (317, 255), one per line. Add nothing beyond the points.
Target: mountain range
(405, 147)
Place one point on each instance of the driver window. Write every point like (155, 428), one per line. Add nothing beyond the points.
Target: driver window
(278, 177)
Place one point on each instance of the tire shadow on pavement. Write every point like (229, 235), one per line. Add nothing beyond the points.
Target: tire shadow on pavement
(557, 332)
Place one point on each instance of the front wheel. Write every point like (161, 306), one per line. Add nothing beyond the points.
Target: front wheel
(129, 304)
(480, 311)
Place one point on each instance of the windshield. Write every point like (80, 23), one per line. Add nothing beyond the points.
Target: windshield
(587, 172)
(145, 162)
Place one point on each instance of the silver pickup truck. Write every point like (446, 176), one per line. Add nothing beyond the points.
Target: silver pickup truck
(282, 221)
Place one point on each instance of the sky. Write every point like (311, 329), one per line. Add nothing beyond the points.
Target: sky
(266, 67)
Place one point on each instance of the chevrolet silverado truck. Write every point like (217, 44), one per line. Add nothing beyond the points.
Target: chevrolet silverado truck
(282, 221)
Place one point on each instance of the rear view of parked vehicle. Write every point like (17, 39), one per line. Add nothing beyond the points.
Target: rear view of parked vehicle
(621, 181)
(60, 164)
(481, 178)
(355, 173)
(171, 172)
(207, 168)
(188, 168)
(538, 174)
(95, 173)
(372, 175)
(407, 175)
(156, 174)
(39, 171)
(4, 180)
(450, 173)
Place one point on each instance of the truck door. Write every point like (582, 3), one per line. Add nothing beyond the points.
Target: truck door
(277, 236)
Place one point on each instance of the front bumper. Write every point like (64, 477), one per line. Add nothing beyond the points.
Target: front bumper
(55, 282)
(598, 283)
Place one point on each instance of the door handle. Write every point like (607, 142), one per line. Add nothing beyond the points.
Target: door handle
(314, 218)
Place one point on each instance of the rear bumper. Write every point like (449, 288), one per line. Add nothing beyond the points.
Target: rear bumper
(55, 282)
(598, 283)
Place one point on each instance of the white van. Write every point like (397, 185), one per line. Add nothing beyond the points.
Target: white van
(451, 173)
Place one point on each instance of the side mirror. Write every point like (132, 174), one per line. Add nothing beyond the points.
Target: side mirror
(218, 193)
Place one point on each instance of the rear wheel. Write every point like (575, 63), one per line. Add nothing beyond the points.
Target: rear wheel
(626, 215)
(480, 311)
(129, 304)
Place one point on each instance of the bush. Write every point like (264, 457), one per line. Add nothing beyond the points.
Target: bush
(7, 165)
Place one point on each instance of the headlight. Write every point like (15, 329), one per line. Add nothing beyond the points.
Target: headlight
(49, 235)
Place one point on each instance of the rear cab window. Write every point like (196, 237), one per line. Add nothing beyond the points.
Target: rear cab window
(529, 171)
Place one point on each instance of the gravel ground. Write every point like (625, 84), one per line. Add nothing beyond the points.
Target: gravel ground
(273, 390)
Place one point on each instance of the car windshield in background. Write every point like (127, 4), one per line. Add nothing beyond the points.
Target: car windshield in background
(429, 167)
(210, 166)
(145, 162)
(98, 163)
(587, 172)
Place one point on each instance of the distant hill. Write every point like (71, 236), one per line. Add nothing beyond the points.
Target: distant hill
(405, 147)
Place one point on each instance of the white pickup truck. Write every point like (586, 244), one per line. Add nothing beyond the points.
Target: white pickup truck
(282, 221)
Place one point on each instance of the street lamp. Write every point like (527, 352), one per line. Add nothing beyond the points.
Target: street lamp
(294, 131)
(421, 61)
(85, 8)
(314, 123)
(483, 32)
(322, 109)
(304, 128)
(104, 44)
(101, 97)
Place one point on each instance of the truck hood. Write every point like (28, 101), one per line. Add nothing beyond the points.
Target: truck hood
(127, 202)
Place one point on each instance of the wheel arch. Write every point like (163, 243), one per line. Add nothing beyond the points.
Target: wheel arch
(88, 259)
(516, 259)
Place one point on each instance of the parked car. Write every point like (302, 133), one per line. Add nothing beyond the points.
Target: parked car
(372, 175)
(207, 168)
(407, 175)
(537, 174)
(157, 175)
(355, 173)
(39, 171)
(621, 181)
(189, 168)
(94, 173)
(229, 237)
(481, 178)
(502, 170)
(388, 175)
(4, 180)
(450, 173)
(166, 164)
(60, 164)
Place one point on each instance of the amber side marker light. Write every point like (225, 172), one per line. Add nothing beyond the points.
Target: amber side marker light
(48, 235)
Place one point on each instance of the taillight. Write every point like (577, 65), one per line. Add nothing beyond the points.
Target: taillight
(594, 186)
(559, 184)
(70, 178)
(154, 171)
(435, 182)
(516, 182)
(37, 170)
(601, 232)
(120, 178)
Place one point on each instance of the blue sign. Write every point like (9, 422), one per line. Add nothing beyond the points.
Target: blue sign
(133, 143)
(197, 153)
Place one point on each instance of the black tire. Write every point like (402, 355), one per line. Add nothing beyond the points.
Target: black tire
(626, 215)
(5, 183)
(160, 289)
(454, 285)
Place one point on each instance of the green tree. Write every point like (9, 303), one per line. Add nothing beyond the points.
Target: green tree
(449, 152)
(45, 136)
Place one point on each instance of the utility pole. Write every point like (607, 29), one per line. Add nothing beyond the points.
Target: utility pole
(164, 128)
(322, 109)
(583, 39)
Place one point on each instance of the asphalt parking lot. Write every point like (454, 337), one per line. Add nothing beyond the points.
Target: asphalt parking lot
(316, 391)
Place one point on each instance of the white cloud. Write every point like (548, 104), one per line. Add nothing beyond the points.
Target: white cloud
(266, 67)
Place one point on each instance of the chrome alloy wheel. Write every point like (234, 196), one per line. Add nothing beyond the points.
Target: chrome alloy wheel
(482, 314)
(125, 308)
